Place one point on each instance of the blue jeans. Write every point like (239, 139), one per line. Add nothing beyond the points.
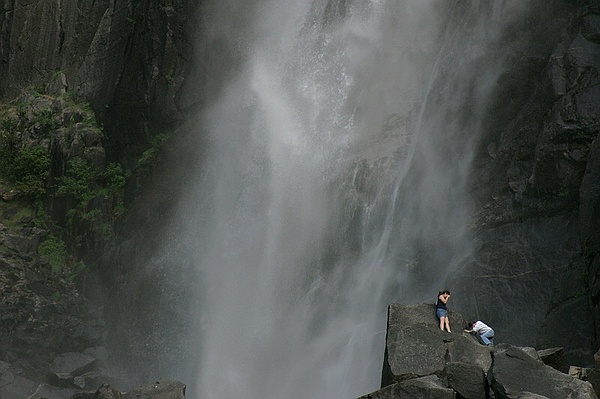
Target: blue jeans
(486, 338)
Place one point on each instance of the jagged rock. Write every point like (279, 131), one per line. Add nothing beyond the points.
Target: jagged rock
(79, 382)
(164, 389)
(60, 379)
(531, 352)
(590, 28)
(104, 392)
(467, 349)
(429, 387)
(89, 333)
(14, 385)
(74, 363)
(98, 352)
(20, 244)
(415, 346)
(553, 357)
(421, 362)
(58, 85)
(467, 379)
(516, 372)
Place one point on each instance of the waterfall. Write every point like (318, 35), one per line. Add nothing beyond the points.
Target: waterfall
(337, 139)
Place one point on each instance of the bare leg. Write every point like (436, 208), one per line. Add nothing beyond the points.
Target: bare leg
(442, 323)
(447, 324)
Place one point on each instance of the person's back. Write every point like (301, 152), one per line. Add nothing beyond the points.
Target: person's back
(485, 333)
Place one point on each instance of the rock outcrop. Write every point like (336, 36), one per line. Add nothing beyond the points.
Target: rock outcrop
(163, 389)
(536, 245)
(421, 361)
(127, 58)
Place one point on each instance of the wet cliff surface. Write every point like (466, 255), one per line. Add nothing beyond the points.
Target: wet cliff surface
(535, 269)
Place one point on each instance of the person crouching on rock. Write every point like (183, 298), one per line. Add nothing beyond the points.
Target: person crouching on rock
(485, 333)
(441, 310)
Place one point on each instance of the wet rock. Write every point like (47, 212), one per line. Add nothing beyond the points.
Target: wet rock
(58, 85)
(415, 345)
(18, 243)
(164, 389)
(15, 385)
(467, 379)
(455, 365)
(73, 363)
(60, 379)
(516, 372)
(104, 392)
(590, 28)
(553, 357)
(428, 387)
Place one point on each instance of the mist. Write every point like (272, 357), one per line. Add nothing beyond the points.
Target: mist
(337, 147)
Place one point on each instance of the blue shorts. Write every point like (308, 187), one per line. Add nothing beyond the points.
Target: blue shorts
(439, 312)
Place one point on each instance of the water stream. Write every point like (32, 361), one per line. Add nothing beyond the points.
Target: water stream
(340, 142)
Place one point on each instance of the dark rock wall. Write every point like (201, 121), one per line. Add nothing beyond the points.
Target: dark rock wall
(539, 170)
(537, 189)
(127, 58)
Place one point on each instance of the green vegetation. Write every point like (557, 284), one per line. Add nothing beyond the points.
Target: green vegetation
(29, 171)
(42, 161)
(55, 252)
(13, 213)
(74, 199)
(149, 156)
(84, 186)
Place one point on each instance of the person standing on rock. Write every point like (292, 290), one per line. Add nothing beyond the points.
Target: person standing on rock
(441, 310)
(485, 333)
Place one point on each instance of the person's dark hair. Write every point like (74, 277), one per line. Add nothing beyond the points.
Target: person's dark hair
(444, 292)
(470, 325)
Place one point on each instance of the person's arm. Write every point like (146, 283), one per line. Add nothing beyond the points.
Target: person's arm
(443, 299)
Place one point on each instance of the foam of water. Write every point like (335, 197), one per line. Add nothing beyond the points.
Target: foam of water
(340, 144)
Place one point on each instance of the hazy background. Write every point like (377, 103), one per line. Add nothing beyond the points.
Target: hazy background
(334, 156)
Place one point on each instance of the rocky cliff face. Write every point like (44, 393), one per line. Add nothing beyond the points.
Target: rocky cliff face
(421, 361)
(536, 270)
(128, 59)
(537, 190)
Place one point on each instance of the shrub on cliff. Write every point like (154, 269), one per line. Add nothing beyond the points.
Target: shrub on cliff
(52, 157)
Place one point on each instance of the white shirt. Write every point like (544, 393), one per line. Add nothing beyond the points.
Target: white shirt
(481, 328)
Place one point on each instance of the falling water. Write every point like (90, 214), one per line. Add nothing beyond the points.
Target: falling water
(338, 138)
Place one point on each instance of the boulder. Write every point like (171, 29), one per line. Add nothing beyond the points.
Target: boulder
(73, 363)
(423, 362)
(15, 385)
(104, 392)
(429, 387)
(415, 345)
(164, 389)
(553, 357)
(515, 372)
(468, 379)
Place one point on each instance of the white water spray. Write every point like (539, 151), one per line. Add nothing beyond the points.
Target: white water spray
(339, 151)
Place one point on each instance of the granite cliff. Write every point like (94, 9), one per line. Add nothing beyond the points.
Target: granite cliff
(536, 268)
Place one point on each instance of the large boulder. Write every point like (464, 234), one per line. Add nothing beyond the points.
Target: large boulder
(468, 379)
(515, 372)
(14, 384)
(421, 361)
(429, 387)
(416, 347)
(164, 389)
